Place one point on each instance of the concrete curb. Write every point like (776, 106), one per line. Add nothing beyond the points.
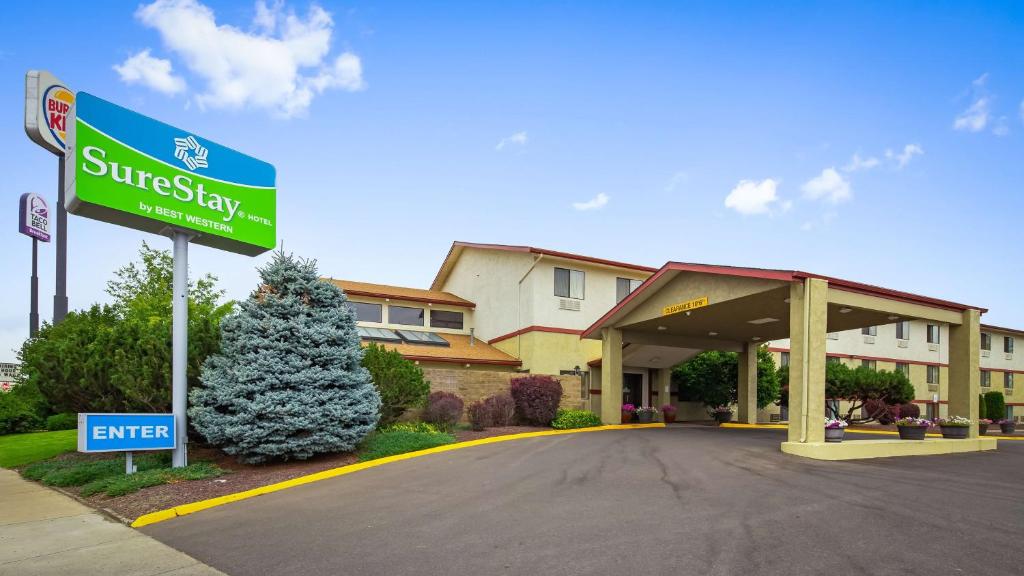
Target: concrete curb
(185, 509)
(848, 431)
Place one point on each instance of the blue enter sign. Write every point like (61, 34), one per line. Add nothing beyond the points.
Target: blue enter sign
(125, 432)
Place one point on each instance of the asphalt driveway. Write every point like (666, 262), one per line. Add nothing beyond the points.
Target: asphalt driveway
(702, 501)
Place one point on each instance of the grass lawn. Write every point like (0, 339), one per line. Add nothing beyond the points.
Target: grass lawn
(21, 449)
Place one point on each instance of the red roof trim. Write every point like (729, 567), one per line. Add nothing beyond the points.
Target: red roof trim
(1002, 329)
(463, 303)
(521, 331)
(872, 290)
(627, 299)
(463, 360)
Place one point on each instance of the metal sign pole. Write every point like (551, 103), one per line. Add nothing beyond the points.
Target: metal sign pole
(60, 297)
(179, 340)
(33, 313)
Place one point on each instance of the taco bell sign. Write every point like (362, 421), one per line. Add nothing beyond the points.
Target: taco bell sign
(34, 217)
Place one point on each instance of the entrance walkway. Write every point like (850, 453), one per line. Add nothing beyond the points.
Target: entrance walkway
(45, 532)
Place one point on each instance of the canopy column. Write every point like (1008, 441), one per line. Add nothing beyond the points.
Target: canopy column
(611, 375)
(746, 396)
(663, 384)
(808, 325)
(964, 368)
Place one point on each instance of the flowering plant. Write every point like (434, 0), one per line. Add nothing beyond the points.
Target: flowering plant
(723, 410)
(669, 408)
(954, 421)
(910, 421)
(833, 423)
(1005, 421)
(984, 421)
(647, 410)
(628, 408)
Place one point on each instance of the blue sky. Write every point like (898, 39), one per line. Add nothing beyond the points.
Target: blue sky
(859, 140)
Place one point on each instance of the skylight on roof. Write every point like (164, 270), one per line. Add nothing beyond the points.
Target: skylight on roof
(381, 334)
(419, 337)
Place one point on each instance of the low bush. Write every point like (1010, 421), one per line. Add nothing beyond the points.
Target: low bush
(390, 443)
(881, 411)
(399, 382)
(479, 415)
(22, 409)
(63, 421)
(995, 405)
(444, 409)
(909, 410)
(982, 408)
(501, 409)
(424, 427)
(569, 419)
(537, 398)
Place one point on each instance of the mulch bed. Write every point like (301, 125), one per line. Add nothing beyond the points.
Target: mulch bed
(239, 477)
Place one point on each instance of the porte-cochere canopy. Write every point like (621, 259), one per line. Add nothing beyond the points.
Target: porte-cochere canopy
(697, 307)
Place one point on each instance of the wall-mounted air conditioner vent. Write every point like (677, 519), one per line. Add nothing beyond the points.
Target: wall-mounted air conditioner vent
(986, 353)
(933, 347)
(832, 336)
(869, 339)
(1009, 355)
(902, 343)
(565, 304)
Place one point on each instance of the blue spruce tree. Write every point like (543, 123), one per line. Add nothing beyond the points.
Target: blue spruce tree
(288, 381)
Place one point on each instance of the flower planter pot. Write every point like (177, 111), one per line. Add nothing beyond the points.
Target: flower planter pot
(1007, 427)
(627, 417)
(723, 417)
(669, 417)
(834, 434)
(982, 429)
(912, 432)
(645, 417)
(954, 431)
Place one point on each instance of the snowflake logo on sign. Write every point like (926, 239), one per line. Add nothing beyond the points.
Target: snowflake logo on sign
(190, 152)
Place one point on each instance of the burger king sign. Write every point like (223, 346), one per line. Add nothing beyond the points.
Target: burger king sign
(47, 103)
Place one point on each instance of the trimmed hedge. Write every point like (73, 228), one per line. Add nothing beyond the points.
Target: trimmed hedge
(569, 419)
(63, 421)
(537, 398)
(995, 405)
(393, 442)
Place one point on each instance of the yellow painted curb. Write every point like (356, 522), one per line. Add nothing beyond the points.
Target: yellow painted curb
(848, 431)
(184, 509)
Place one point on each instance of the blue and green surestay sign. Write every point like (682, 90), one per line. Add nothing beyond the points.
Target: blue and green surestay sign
(129, 169)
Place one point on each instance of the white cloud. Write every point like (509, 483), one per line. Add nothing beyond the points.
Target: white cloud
(829, 185)
(280, 66)
(752, 197)
(857, 163)
(677, 180)
(154, 73)
(903, 158)
(1001, 127)
(594, 203)
(519, 138)
(976, 117)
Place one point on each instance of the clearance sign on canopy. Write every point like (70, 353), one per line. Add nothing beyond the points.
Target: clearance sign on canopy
(128, 169)
(685, 306)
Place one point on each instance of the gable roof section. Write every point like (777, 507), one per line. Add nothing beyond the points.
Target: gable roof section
(457, 247)
(671, 269)
(353, 288)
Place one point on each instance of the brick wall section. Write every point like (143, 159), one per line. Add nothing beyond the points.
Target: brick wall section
(473, 385)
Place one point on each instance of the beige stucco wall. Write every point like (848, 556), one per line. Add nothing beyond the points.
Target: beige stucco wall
(541, 306)
(490, 279)
(549, 352)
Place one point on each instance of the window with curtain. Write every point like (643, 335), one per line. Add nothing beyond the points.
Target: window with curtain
(903, 330)
(1008, 344)
(869, 331)
(624, 287)
(569, 283)
(933, 333)
(986, 341)
(933, 374)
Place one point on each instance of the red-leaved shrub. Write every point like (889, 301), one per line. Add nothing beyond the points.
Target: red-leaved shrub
(909, 410)
(501, 409)
(884, 413)
(443, 409)
(478, 414)
(536, 398)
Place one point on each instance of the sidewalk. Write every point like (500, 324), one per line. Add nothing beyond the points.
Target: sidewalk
(45, 532)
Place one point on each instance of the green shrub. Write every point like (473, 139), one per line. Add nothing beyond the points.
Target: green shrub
(63, 421)
(569, 419)
(982, 407)
(390, 443)
(424, 427)
(399, 382)
(995, 405)
(22, 409)
(443, 410)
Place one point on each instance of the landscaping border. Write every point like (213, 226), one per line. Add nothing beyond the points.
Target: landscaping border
(185, 509)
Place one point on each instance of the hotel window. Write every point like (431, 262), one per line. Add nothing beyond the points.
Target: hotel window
(904, 368)
(366, 312)
(405, 315)
(1008, 380)
(569, 283)
(869, 331)
(933, 333)
(445, 319)
(624, 287)
(986, 378)
(870, 364)
(933, 374)
(784, 359)
(986, 341)
(1008, 344)
(903, 330)
(833, 360)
